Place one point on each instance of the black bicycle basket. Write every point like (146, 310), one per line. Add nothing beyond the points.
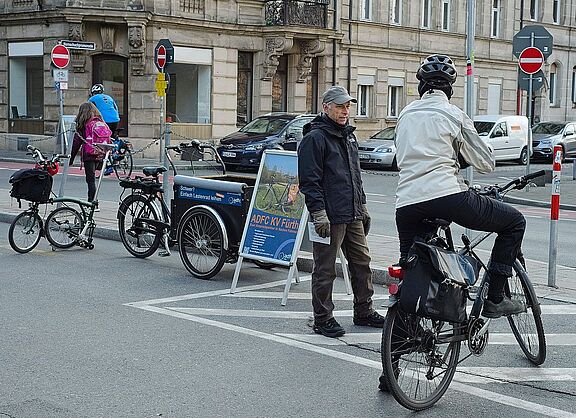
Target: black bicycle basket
(31, 184)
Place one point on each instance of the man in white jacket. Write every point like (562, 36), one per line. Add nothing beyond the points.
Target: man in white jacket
(433, 139)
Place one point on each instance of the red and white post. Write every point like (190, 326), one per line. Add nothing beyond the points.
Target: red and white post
(554, 214)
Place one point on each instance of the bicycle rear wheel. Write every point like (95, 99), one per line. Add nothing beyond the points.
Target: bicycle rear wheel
(124, 165)
(63, 225)
(25, 232)
(418, 358)
(527, 326)
(139, 237)
(201, 243)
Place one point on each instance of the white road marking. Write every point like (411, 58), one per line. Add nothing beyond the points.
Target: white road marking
(293, 295)
(249, 313)
(514, 374)
(470, 390)
(375, 338)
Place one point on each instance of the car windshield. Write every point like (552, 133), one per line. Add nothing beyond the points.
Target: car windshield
(386, 133)
(483, 128)
(547, 128)
(265, 126)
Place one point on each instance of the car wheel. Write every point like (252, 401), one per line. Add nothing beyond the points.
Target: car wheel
(523, 160)
(394, 164)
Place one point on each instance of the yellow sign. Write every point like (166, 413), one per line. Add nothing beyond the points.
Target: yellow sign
(161, 84)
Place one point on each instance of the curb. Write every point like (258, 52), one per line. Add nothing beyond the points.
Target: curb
(537, 203)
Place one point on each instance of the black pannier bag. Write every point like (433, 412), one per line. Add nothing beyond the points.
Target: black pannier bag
(31, 184)
(434, 283)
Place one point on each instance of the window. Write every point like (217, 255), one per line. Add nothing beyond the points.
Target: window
(26, 87)
(365, 93)
(495, 21)
(494, 98)
(112, 72)
(280, 85)
(574, 85)
(553, 82)
(534, 5)
(446, 15)
(556, 11)
(396, 12)
(366, 10)
(190, 93)
(426, 10)
(244, 92)
(394, 97)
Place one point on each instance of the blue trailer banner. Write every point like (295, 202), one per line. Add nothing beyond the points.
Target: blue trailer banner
(205, 195)
(274, 220)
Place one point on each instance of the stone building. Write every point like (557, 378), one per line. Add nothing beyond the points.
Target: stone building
(237, 59)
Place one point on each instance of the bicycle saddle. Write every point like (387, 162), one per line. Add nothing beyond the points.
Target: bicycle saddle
(153, 171)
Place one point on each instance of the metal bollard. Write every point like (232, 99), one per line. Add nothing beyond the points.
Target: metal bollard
(574, 169)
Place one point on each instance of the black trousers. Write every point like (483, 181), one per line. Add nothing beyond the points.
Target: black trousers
(472, 211)
(90, 173)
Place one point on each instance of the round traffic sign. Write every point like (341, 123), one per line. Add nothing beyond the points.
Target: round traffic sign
(60, 56)
(531, 60)
(161, 56)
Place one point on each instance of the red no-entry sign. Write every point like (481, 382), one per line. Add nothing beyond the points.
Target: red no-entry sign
(60, 56)
(531, 60)
(161, 57)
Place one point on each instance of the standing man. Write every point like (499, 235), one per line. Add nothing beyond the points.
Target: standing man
(329, 177)
(106, 105)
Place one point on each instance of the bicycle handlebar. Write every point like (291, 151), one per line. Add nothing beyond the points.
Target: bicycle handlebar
(518, 183)
(37, 154)
(199, 146)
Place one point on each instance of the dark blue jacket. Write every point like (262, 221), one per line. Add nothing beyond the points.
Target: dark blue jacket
(329, 170)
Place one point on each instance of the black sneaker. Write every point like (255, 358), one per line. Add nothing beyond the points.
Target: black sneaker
(330, 328)
(374, 319)
(505, 307)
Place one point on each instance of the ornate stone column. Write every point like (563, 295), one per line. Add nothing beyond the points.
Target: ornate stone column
(275, 48)
(137, 42)
(309, 48)
(77, 56)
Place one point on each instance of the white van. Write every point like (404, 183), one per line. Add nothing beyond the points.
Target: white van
(506, 135)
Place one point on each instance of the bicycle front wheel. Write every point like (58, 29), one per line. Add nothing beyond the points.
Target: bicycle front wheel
(527, 326)
(63, 226)
(25, 232)
(201, 243)
(140, 237)
(418, 358)
(125, 163)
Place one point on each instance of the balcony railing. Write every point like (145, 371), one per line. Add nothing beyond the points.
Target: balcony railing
(297, 12)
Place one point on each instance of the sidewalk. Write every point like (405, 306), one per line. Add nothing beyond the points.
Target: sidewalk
(383, 249)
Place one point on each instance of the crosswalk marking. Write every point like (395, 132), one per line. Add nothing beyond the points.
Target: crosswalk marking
(295, 296)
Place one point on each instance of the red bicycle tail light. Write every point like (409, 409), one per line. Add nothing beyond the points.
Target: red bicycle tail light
(53, 168)
(392, 289)
(396, 272)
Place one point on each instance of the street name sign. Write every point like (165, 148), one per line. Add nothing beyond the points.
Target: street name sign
(86, 46)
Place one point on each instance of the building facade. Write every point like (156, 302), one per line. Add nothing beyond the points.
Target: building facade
(237, 59)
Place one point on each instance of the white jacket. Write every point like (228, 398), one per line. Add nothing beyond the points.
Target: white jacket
(429, 134)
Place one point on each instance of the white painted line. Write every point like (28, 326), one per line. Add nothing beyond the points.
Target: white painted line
(250, 313)
(293, 296)
(515, 374)
(375, 338)
(470, 390)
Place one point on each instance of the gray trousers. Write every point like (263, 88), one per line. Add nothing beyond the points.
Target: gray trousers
(352, 240)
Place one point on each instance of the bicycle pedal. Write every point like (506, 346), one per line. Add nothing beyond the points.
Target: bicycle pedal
(164, 253)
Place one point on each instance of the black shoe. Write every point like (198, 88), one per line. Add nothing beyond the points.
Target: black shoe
(330, 328)
(505, 307)
(372, 320)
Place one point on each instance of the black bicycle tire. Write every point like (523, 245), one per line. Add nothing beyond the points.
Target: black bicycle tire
(264, 264)
(49, 236)
(11, 231)
(127, 163)
(533, 306)
(124, 208)
(392, 374)
(194, 219)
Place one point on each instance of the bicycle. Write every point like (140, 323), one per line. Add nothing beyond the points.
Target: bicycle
(28, 227)
(420, 355)
(121, 161)
(65, 226)
(144, 218)
(284, 198)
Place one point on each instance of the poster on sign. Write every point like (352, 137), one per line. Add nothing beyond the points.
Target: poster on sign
(274, 224)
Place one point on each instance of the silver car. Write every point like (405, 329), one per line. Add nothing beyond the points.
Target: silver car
(547, 134)
(379, 150)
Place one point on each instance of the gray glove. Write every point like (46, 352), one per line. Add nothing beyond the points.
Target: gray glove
(321, 223)
(366, 219)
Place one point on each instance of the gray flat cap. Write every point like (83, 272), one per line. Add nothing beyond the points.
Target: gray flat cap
(338, 95)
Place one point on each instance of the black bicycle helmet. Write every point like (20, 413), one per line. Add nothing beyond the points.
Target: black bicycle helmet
(437, 71)
(97, 89)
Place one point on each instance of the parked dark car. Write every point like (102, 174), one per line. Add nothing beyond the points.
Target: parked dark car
(244, 148)
(379, 150)
(547, 134)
